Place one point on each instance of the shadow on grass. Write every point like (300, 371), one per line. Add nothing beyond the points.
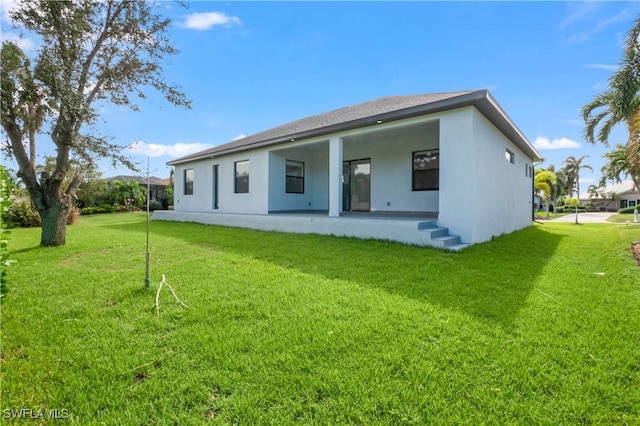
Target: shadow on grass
(27, 249)
(489, 281)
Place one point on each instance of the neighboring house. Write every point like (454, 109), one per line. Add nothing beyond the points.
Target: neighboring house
(444, 169)
(625, 195)
(156, 185)
(538, 202)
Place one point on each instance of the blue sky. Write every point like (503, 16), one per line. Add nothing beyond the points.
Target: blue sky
(251, 66)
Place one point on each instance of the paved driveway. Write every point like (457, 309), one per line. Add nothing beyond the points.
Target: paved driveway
(585, 217)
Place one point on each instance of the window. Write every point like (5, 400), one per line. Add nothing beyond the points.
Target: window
(426, 170)
(214, 184)
(295, 177)
(188, 182)
(242, 177)
(510, 156)
(530, 171)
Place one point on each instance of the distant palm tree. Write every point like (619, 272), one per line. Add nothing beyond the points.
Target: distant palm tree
(620, 166)
(128, 193)
(594, 191)
(572, 167)
(559, 189)
(612, 196)
(544, 182)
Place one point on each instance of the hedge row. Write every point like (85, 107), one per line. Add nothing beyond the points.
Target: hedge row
(628, 209)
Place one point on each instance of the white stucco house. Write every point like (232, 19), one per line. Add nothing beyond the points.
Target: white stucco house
(443, 169)
(624, 195)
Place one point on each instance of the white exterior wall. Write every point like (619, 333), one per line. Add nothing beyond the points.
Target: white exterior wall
(201, 199)
(392, 171)
(456, 173)
(316, 180)
(255, 201)
(504, 191)
(482, 194)
(631, 198)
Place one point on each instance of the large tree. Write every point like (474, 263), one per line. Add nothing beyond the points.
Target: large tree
(619, 104)
(91, 52)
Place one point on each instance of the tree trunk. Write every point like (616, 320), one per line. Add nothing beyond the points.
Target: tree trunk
(54, 225)
(547, 206)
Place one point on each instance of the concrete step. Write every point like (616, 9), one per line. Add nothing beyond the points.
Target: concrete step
(440, 236)
(435, 232)
(447, 240)
(429, 224)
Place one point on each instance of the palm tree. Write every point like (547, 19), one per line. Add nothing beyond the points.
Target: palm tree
(594, 191)
(559, 188)
(33, 103)
(620, 103)
(573, 166)
(129, 193)
(619, 165)
(612, 196)
(543, 182)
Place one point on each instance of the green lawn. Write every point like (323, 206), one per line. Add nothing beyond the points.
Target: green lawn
(538, 327)
(622, 218)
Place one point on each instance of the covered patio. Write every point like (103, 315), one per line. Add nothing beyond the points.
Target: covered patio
(369, 169)
(408, 228)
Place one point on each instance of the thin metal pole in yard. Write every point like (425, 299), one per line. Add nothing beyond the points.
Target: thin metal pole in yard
(147, 280)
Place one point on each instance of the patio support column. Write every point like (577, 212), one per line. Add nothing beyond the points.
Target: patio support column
(335, 176)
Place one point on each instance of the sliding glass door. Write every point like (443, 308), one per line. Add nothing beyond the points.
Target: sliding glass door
(356, 185)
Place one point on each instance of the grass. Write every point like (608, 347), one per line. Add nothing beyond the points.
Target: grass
(552, 215)
(621, 218)
(541, 326)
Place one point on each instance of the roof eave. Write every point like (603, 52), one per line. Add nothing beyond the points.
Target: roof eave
(490, 108)
(481, 99)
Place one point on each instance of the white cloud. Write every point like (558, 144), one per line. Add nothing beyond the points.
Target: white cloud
(158, 150)
(589, 19)
(5, 7)
(542, 142)
(240, 136)
(26, 44)
(579, 11)
(607, 67)
(208, 20)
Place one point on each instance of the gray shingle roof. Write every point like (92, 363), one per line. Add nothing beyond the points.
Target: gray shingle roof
(371, 113)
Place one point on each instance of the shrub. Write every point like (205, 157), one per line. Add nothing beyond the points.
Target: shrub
(5, 205)
(104, 208)
(21, 214)
(72, 216)
(629, 209)
(156, 205)
(572, 209)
